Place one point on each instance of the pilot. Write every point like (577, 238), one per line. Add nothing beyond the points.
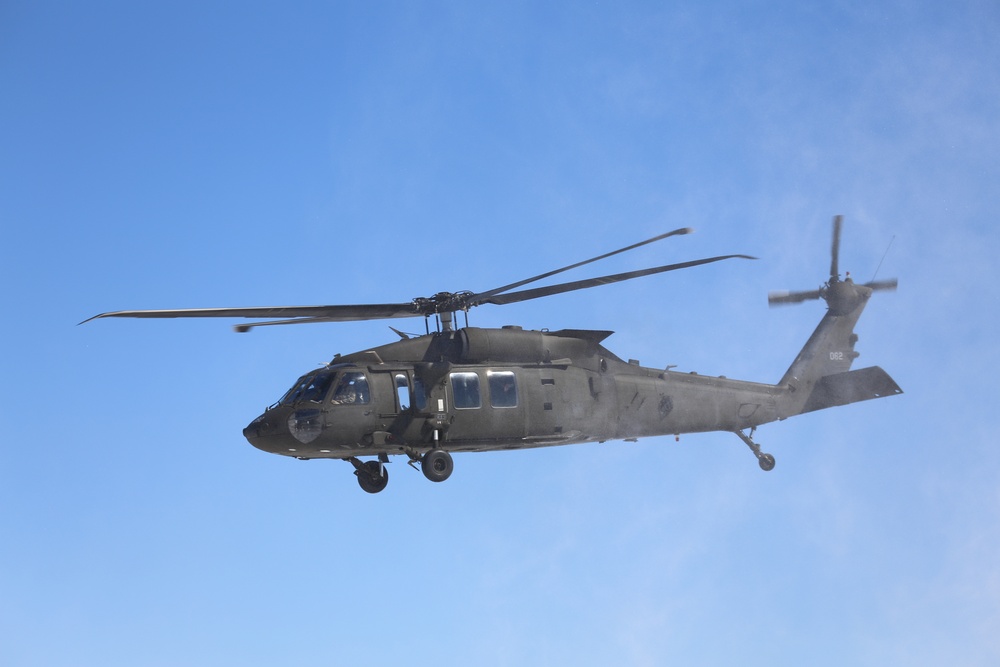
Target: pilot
(345, 395)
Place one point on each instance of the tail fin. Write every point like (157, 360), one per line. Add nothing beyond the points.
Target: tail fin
(821, 376)
(829, 350)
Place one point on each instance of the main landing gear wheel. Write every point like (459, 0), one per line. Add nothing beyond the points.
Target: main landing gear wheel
(766, 462)
(372, 476)
(437, 465)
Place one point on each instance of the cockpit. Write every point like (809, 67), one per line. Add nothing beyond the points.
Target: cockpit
(349, 387)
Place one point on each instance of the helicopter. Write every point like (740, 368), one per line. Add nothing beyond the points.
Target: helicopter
(470, 389)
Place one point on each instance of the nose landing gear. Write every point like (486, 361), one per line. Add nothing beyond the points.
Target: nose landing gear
(764, 460)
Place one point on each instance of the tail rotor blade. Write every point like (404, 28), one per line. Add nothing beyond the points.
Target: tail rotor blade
(887, 285)
(835, 249)
(785, 297)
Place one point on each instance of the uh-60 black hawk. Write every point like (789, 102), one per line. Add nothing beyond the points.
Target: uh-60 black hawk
(471, 389)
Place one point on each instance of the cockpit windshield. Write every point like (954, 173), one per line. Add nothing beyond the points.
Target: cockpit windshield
(351, 389)
(311, 387)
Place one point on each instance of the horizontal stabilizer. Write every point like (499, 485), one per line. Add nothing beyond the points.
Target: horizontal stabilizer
(851, 387)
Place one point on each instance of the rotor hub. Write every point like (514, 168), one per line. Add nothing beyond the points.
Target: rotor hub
(843, 296)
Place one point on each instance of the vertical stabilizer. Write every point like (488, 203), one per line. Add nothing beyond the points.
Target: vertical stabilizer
(829, 351)
(821, 376)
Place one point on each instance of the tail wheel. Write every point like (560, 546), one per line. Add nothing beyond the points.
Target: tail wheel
(437, 465)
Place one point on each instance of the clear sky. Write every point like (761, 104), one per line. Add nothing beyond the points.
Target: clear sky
(240, 154)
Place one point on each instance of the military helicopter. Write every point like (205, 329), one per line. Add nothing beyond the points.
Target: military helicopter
(469, 389)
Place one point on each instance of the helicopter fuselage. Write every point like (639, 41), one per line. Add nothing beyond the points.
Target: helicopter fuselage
(486, 389)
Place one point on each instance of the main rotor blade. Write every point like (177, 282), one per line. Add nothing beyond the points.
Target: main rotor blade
(835, 249)
(243, 328)
(328, 313)
(484, 297)
(525, 295)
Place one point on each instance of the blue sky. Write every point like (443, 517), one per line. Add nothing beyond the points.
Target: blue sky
(242, 154)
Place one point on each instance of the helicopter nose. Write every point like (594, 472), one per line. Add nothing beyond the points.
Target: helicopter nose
(251, 432)
(259, 432)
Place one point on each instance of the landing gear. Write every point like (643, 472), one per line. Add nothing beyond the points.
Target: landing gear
(764, 460)
(437, 465)
(372, 475)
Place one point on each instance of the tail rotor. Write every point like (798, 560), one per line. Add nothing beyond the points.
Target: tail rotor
(841, 295)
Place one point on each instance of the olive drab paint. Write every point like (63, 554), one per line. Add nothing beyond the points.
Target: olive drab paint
(471, 389)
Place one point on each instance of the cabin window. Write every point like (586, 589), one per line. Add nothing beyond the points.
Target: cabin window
(352, 389)
(465, 387)
(402, 392)
(503, 389)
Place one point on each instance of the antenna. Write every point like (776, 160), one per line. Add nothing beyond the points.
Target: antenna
(883, 257)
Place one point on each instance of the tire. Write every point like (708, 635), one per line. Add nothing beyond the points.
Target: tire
(370, 479)
(437, 465)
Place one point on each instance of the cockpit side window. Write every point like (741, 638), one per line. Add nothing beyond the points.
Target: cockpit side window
(352, 389)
